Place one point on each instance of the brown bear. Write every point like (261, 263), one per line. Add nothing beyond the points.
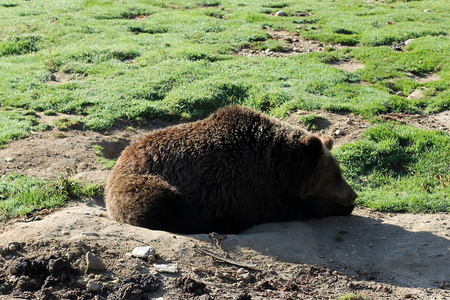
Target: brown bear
(233, 170)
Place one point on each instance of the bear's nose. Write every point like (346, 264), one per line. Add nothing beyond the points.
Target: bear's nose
(353, 196)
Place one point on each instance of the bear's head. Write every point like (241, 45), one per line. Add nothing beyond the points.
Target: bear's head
(325, 180)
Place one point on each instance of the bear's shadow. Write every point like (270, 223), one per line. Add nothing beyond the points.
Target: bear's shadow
(354, 245)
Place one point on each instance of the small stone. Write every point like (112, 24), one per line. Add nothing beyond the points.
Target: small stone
(245, 277)
(281, 13)
(400, 93)
(167, 268)
(339, 132)
(151, 258)
(241, 271)
(220, 274)
(143, 252)
(420, 61)
(13, 247)
(427, 10)
(52, 77)
(93, 287)
(9, 159)
(94, 263)
(69, 256)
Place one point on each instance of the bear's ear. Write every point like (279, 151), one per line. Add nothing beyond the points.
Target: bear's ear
(328, 141)
(313, 146)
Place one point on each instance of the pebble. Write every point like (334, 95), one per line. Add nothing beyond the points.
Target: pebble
(427, 10)
(143, 252)
(241, 271)
(93, 287)
(13, 246)
(400, 93)
(69, 256)
(339, 132)
(94, 263)
(281, 13)
(245, 276)
(9, 159)
(166, 268)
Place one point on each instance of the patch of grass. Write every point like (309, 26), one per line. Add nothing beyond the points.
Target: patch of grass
(108, 163)
(66, 123)
(21, 194)
(399, 168)
(19, 45)
(50, 112)
(309, 120)
(14, 125)
(353, 297)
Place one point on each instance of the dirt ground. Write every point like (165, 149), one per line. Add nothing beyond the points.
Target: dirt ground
(378, 255)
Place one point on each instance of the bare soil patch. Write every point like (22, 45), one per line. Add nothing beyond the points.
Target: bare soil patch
(295, 45)
(348, 65)
(382, 256)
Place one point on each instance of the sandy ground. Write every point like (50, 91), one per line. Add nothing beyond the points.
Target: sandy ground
(379, 255)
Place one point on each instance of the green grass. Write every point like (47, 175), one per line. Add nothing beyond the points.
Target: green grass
(137, 61)
(399, 168)
(353, 297)
(20, 194)
(108, 163)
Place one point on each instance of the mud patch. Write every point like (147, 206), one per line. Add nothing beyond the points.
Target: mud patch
(135, 286)
(38, 276)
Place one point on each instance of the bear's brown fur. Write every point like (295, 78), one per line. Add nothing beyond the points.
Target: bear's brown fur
(228, 172)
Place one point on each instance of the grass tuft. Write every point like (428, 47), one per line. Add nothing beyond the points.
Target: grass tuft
(20, 195)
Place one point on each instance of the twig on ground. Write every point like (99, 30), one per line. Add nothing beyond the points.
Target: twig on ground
(224, 259)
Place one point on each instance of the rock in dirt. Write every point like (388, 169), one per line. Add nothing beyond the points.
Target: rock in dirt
(167, 268)
(93, 287)
(281, 14)
(13, 247)
(94, 262)
(143, 252)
